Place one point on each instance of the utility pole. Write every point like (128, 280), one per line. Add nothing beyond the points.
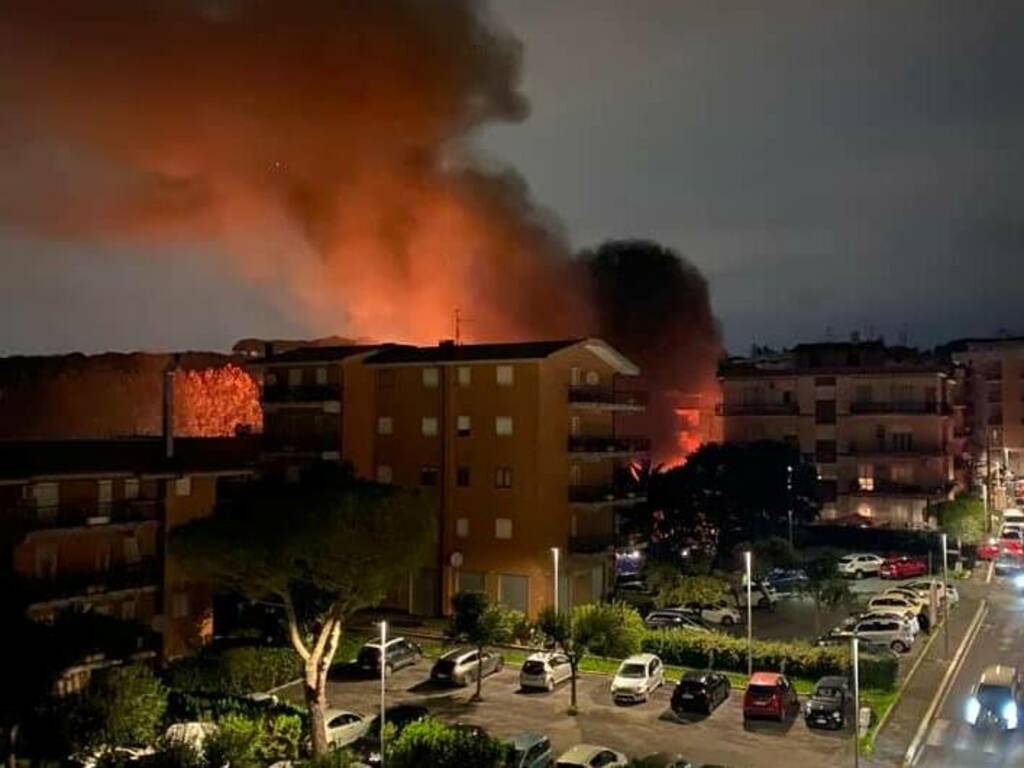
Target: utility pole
(789, 494)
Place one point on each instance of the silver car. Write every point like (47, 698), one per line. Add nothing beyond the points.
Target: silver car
(545, 670)
(461, 666)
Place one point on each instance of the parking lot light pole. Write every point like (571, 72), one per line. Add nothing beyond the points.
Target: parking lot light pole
(750, 616)
(383, 684)
(789, 497)
(855, 663)
(554, 555)
(945, 597)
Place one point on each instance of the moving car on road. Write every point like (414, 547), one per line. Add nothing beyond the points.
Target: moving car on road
(859, 565)
(830, 704)
(668, 618)
(592, 756)
(530, 750)
(545, 670)
(769, 695)
(996, 700)
(462, 666)
(700, 692)
(718, 612)
(1009, 564)
(637, 678)
(902, 568)
(398, 653)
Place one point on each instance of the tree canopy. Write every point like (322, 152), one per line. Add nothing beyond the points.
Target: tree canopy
(963, 517)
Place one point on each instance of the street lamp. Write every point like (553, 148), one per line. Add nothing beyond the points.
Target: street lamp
(855, 661)
(750, 616)
(554, 555)
(383, 683)
(945, 597)
(789, 497)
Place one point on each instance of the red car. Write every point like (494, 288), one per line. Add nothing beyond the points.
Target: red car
(769, 695)
(902, 568)
(988, 551)
(991, 549)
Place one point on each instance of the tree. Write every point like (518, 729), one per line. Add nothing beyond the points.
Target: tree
(962, 518)
(825, 587)
(477, 622)
(123, 707)
(322, 550)
(430, 742)
(692, 589)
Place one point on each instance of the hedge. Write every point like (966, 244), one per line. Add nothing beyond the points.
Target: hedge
(695, 649)
(234, 671)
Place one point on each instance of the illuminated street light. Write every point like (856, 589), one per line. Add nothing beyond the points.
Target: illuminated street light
(383, 684)
(750, 619)
(554, 555)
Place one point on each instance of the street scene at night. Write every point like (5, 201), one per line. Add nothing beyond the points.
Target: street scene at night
(511, 384)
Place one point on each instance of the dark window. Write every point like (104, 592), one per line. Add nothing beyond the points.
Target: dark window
(385, 379)
(503, 477)
(792, 440)
(828, 490)
(825, 451)
(787, 396)
(903, 441)
(428, 476)
(825, 412)
(824, 381)
(807, 458)
(462, 476)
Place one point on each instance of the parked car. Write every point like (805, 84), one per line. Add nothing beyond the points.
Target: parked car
(912, 595)
(902, 568)
(462, 665)
(344, 727)
(902, 603)
(858, 566)
(637, 678)
(545, 670)
(666, 760)
(886, 629)
(871, 647)
(667, 618)
(786, 581)
(997, 698)
(769, 695)
(591, 756)
(830, 705)
(718, 612)
(700, 692)
(1009, 564)
(530, 749)
(912, 623)
(367, 748)
(988, 550)
(762, 595)
(923, 588)
(398, 653)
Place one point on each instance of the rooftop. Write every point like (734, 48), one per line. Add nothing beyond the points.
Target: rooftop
(830, 358)
(320, 354)
(450, 352)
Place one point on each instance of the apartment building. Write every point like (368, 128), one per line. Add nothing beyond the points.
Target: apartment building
(994, 374)
(94, 516)
(878, 422)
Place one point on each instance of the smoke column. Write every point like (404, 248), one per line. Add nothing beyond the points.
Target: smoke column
(319, 142)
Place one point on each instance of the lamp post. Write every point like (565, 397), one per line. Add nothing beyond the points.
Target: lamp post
(789, 497)
(750, 616)
(554, 556)
(855, 661)
(945, 597)
(383, 683)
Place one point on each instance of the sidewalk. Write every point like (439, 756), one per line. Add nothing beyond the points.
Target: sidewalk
(893, 740)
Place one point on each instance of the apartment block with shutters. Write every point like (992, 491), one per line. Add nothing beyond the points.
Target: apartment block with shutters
(880, 424)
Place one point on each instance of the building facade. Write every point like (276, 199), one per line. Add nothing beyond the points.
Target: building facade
(880, 424)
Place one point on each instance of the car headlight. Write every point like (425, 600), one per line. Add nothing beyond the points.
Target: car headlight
(1018, 581)
(973, 710)
(837, 715)
(1010, 714)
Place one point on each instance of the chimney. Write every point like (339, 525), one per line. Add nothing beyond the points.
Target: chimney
(446, 344)
(168, 411)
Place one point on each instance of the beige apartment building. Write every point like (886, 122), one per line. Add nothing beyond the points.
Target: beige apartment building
(526, 446)
(877, 421)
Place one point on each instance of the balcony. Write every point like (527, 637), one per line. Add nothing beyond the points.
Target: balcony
(890, 488)
(591, 544)
(908, 408)
(913, 451)
(310, 393)
(609, 446)
(126, 512)
(598, 495)
(757, 409)
(604, 399)
(81, 587)
(300, 444)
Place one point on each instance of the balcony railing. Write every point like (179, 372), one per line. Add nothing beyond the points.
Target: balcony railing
(598, 494)
(864, 407)
(309, 393)
(591, 544)
(80, 515)
(609, 444)
(70, 586)
(888, 487)
(890, 450)
(757, 409)
(601, 396)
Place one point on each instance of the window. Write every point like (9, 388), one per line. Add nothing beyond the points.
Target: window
(903, 441)
(471, 582)
(384, 474)
(104, 491)
(292, 473)
(824, 411)
(462, 477)
(321, 376)
(575, 474)
(824, 381)
(294, 377)
(902, 473)
(463, 426)
(179, 605)
(128, 608)
(183, 486)
(385, 425)
(503, 425)
(385, 379)
(502, 528)
(505, 376)
(574, 426)
(863, 393)
(131, 551)
(503, 477)
(270, 379)
(46, 494)
(430, 378)
(902, 393)
(866, 477)
(462, 527)
(429, 426)
(787, 396)
(574, 377)
(131, 488)
(825, 451)
(593, 378)
(428, 476)
(829, 490)
(512, 591)
(464, 375)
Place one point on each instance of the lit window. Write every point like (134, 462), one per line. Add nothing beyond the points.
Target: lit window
(574, 377)
(294, 377)
(462, 527)
(430, 377)
(503, 425)
(502, 528)
(105, 491)
(384, 474)
(866, 477)
(385, 425)
(505, 376)
(465, 376)
(429, 476)
(131, 488)
(183, 486)
(463, 426)
(429, 426)
(321, 376)
(593, 378)
(503, 477)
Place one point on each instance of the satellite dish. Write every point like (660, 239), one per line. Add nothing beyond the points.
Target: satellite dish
(455, 560)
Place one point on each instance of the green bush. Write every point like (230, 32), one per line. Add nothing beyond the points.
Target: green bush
(234, 670)
(608, 629)
(234, 743)
(880, 672)
(122, 707)
(430, 742)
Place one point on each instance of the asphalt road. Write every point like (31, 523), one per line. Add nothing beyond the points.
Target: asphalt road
(951, 742)
(636, 730)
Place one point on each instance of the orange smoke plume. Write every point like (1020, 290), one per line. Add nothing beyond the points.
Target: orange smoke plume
(216, 402)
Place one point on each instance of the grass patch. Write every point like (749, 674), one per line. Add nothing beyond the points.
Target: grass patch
(880, 702)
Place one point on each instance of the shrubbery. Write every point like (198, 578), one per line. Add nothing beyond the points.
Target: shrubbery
(122, 707)
(608, 629)
(429, 742)
(236, 671)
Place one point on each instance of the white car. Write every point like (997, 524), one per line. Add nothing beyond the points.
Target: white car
(908, 607)
(344, 727)
(545, 670)
(888, 630)
(637, 678)
(923, 588)
(912, 595)
(718, 612)
(912, 623)
(859, 565)
(591, 756)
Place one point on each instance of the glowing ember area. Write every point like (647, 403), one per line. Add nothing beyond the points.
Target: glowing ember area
(216, 402)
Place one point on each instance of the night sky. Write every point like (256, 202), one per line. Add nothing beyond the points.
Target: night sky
(830, 166)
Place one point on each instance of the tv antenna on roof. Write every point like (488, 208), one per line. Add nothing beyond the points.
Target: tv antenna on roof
(459, 320)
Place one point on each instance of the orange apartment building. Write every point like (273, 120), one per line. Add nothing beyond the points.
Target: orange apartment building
(525, 445)
(878, 422)
(96, 516)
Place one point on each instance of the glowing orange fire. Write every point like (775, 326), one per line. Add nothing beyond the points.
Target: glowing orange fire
(216, 402)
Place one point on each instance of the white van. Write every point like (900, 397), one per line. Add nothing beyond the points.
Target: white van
(1013, 516)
